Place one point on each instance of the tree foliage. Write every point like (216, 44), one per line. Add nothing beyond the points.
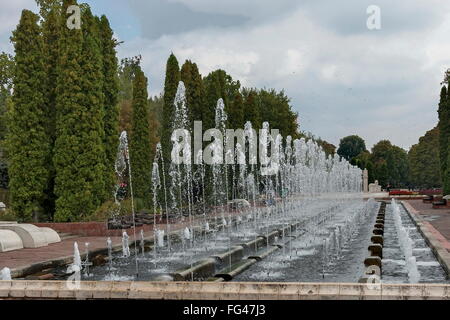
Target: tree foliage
(140, 154)
(79, 155)
(424, 161)
(28, 140)
(444, 136)
(390, 164)
(110, 103)
(6, 83)
(170, 89)
(351, 146)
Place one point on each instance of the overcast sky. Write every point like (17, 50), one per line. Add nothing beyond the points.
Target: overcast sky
(342, 77)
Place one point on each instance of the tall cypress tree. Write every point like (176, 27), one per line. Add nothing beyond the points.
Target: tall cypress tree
(186, 77)
(79, 156)
(51, 32)
(140, 153)
(444, 138)
(170, 89)
(94, 156)
(28, 140)
(110, 92)
(195, 91)
(218, 85)
(7, 65)
(212, 94)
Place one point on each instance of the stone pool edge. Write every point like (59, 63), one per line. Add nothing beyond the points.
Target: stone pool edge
(442, 255)
(132, 290)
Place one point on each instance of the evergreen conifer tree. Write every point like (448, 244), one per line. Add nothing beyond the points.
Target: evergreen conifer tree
(28, 139)
(170, 89)
(110, 93)
(140, 153)
(195, 91)
(79, 155)
(51, 14)
(444, 138)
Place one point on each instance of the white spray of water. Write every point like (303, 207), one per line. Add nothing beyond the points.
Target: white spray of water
(187, 233)
(125, 246)
(160, 238)
(5, 274)
(406, 244)
(76, 265)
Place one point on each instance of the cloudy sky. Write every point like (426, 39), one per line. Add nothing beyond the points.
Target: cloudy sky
(342, 77)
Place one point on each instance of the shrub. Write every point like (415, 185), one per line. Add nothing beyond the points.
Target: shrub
(7, 215)
(110, 209)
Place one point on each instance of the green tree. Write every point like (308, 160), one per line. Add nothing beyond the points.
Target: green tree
(236, 114)
(127, 69)
(252, 108)
(364, 161)
(351, 146)
(28, 140)
(6, 80)
(275, 108)
(219, 85)
(140, 153)
(170, 89)
(51, 15)
(110, 93)
(155, 108)
(195, 91)
(424, 161)
(444, 137)
(47, 6)
(390, 164)
(79, 155)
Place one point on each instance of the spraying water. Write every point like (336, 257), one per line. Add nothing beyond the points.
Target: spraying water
(5, 274)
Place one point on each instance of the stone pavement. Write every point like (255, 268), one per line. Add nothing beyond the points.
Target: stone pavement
(25, 257)
(220, 290)
(19, 260)
(437, 221)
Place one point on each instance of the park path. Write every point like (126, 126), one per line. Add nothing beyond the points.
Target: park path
(26, 257)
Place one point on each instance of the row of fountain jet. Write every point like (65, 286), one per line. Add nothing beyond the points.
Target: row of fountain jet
(198, 194)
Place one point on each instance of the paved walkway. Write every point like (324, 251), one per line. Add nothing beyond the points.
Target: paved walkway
(25, 257)
(436, 220)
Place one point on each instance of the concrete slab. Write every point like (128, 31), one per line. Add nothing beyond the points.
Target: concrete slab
(32, 236)
(9, 241)
(50, 235)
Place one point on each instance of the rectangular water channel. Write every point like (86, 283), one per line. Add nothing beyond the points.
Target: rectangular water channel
(324, 241)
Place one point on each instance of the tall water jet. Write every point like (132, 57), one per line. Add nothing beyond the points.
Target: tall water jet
(183, 148)
(125, 245)
(157, 181)
(406, 244)
(110, 257)
(86, 262)
(156, 184)
(5, 274)
(142, 243)
(76, 264)
(122, 164)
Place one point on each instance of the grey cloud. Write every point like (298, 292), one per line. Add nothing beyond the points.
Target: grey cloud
(349, 16)
(162, 17)
(384, 86)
